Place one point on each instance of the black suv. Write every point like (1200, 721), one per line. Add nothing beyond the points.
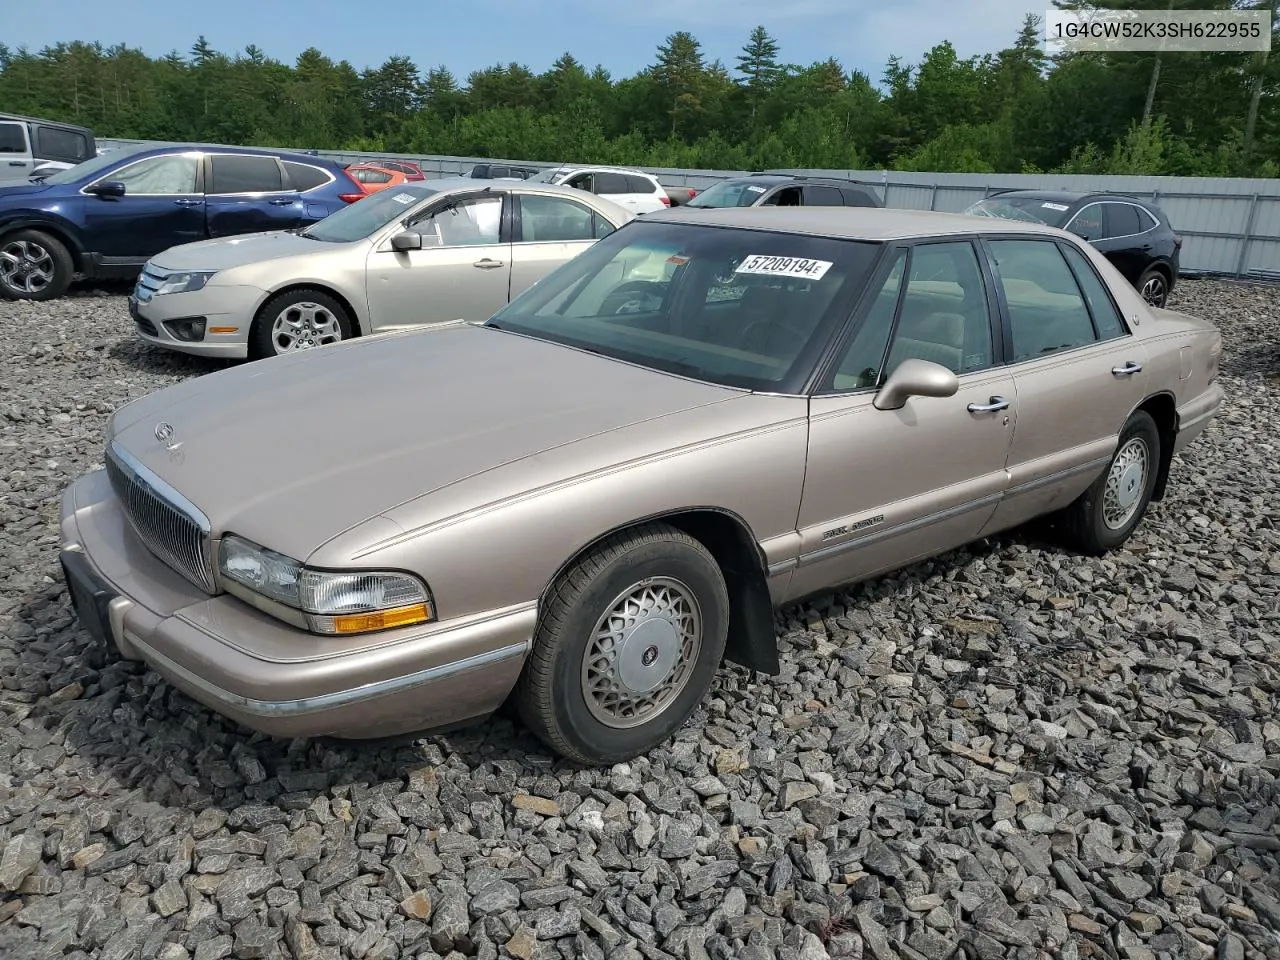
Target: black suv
(786, 190)
(1133, 234)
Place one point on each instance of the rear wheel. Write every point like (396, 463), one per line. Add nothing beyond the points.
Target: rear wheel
(626, 647)
(1154, 287)
(298, 320)
(1106, 514)
(34, 266)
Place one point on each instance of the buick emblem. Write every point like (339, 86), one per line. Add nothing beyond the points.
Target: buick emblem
(164, 433)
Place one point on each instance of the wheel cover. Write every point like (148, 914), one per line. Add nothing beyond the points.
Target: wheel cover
(1126, 481)
(303, 325)
(1153, 290)
(642, 652)
(26, 266)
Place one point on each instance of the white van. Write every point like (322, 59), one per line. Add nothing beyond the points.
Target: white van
(27, 143)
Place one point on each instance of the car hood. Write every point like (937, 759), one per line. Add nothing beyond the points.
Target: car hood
(225, 253)
(24, 190)
(293, 451)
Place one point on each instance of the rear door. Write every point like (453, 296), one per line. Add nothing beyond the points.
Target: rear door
(163, 206)
(1077, 371)
(463, 270)
(247, 193)
(548, 231)
(15, 151)
(618, 188)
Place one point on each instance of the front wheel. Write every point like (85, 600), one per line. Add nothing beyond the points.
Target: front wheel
(1106, 514)
(298, 320)
(626, 646)
(34, 266)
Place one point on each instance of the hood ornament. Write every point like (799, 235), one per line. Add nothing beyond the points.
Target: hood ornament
(164, 433)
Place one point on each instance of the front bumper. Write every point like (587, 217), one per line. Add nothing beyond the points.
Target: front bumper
(227, 311)
(267, 675)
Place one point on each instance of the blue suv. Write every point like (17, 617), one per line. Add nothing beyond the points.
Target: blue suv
(103, 218)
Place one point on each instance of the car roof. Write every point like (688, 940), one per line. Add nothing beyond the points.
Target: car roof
(51, 123)
(149, 149)
(472, 184)
(601, 167)
(847, 223)
(775, 178)
(1059, 196)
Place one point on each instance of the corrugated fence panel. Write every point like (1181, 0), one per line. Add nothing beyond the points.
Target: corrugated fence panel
(1229, 226)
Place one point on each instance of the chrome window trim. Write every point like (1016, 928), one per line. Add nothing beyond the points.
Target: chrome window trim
(1123, 236)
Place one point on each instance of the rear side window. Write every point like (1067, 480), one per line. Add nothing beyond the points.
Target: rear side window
(1047, 312)
(607, 183)
(1145, 220)
(819, 196)
(1122, 220)
(13, 139)
(303, 176)
(241, 174)
(55, 143)
(639, 184)
(858, 198)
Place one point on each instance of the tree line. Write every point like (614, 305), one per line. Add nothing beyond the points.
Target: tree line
(1011, 111)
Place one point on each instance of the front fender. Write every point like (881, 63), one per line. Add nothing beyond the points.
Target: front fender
(63, 228)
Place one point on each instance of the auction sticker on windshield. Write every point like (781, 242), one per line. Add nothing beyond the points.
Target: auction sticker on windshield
(1050, 205)
(404, 198)
(770, 266)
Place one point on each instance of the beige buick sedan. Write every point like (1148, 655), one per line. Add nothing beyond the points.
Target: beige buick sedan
(427, 252)
(588, 501)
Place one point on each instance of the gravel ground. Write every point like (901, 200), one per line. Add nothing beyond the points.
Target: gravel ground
(1009, 752)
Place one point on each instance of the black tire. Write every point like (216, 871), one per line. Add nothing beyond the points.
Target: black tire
(1158, 280)
(40, 249)
(1084, 523)
(550, 694)
(261, 342)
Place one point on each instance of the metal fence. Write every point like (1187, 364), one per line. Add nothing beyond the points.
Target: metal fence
(1231, 226)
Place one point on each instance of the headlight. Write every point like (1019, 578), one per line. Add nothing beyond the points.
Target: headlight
(331, 602)
(188, 282)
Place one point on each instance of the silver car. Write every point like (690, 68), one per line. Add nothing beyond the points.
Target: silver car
(427, 252)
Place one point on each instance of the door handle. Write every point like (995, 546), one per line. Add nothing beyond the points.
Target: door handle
(283, 201)
(188, 203)
(1128, 370)
(991, 406)
(17, 163)
(487, 264)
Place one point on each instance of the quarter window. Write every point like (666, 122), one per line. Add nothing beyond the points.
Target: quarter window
(1046, 310)
(944, 316)
(13, 139)
(857, 198)
(552, 219)
(303, 176)
(243, 174)
(168, 174)
(639, 184)
(1106, 318)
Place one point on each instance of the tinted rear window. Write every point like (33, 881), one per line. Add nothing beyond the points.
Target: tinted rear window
(232, 174)
(303, 176)
(56, 143)
(615, 183)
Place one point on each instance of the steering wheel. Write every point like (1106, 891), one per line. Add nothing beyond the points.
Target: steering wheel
(626, 297)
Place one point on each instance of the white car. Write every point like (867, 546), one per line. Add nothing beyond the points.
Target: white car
(639, 192)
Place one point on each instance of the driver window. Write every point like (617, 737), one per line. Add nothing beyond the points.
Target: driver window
(583, 181)
(860, 367)
(1088, 223)
(944, 316)
(467, 223)
(173, 174)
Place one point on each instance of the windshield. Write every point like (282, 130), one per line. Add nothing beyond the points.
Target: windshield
(91, 166)
(729, 193)
(1030, 209)
(367, 216)
(550, 176)
(729, 306)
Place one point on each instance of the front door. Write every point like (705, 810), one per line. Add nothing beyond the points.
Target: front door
(886, 487)
(463, 270)
(247, 193)
(549, 231)
(1077, 370)
(162, 207)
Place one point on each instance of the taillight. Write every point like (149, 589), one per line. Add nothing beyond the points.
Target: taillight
(692, 193)
(666, 201)
(360, 191)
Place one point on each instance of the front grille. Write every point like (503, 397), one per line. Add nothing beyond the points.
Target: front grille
(149, 281)
(175, 532)
(146, 326)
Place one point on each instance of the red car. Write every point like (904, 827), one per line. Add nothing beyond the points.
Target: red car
(410, 170)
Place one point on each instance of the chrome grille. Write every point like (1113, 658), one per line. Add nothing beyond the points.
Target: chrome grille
(149, 281)
(171, 527)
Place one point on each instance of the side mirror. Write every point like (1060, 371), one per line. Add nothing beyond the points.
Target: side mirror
(406, 241)
(915, 378)
(108, 188)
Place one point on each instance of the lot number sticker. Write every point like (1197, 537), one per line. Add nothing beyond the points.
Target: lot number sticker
(769, 266)
(403, 198)
(1054, 206)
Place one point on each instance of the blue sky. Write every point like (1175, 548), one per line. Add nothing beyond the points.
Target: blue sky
(623, 35)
